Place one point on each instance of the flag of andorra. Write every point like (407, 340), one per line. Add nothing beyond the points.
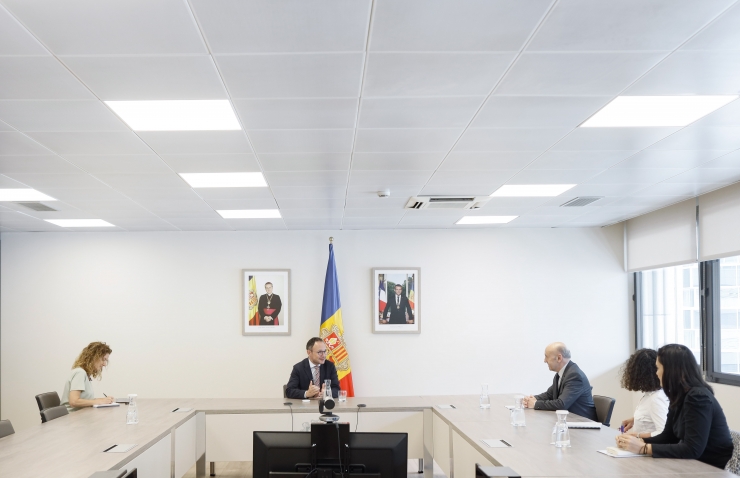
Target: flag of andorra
(331, 330)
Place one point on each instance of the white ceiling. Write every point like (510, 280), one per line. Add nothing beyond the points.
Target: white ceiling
(339, 99)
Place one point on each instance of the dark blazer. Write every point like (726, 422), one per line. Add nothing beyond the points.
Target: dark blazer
(695, 429)
(573, 393)
(301, 377)
(275, 303)
(397, 316)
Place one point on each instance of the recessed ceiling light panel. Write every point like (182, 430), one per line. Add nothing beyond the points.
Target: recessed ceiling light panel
(80, 222)
(225, 180)
(177, 115)
(643, 111)
(532, 190)
(23, 195)
(250, 213)
(486, 219)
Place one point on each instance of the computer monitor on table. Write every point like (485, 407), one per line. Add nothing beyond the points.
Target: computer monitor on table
(296, 455)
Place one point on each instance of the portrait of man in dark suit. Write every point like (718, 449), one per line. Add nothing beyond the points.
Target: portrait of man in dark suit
(397, 308)
(269, 306)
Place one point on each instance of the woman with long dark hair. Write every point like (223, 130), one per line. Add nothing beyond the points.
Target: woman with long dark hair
(696, 427)
(639, 375)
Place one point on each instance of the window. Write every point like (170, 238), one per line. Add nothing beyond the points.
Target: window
(723, 323)
(668, 307)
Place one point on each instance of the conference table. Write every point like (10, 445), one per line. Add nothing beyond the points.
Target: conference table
(173, 435)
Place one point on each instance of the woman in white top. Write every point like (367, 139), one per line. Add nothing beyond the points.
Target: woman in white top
(78, 390)
(639, 375)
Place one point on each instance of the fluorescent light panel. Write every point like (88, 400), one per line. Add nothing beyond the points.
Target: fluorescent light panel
(250, 213)
(643, 111)
(177, 115)
(532, 190)
(80, 222)
(486, 219)
(225, 180)
(23, 195)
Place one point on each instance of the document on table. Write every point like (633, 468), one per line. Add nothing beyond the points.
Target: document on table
(120, 448)
(103, 405)
(496, 443)
(615, 452)
(446, 406)
(584, 425)
(180, 410)
(510, 407)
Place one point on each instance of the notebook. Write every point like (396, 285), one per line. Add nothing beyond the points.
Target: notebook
(615, 452)
(583, 424)
(103, 405)
(122, 448)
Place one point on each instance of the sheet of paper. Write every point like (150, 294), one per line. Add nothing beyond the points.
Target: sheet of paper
(121, 448)
(496, 443)
(625, 455)
(584, 425)
(446, 406)
(180, 410)
(103, 405)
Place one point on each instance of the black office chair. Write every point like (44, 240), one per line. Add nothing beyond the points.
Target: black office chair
(604, 407)
(52, 413)
(285, 391)
(47, 400)
(6, 428)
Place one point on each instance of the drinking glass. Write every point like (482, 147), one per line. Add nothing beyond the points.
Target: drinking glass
(343, 395)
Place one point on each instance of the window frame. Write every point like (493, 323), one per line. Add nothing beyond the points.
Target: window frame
(712, 325)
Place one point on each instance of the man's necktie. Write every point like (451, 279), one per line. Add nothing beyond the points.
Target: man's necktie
(316, 375)
(556, 392)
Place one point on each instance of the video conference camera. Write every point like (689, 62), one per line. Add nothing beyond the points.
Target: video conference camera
(327, 403)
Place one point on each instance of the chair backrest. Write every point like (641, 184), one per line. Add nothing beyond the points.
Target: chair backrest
(285, 391)
(604, 407)
(6, 428)
(733, 466)
(47, 400)
(54, 412)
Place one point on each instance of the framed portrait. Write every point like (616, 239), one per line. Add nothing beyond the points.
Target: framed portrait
(266, 302)
(396, 300)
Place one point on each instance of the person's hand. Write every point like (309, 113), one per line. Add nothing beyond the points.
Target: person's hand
(383, 321)
(312, 391)
(629, 443)
(104, 400)
(629, 423)
(409, 321)
(529, 401)
(323, 389)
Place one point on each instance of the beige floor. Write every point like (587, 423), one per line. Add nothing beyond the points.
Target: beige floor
(244, 469)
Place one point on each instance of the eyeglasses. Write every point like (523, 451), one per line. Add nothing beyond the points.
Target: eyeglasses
(321, 352)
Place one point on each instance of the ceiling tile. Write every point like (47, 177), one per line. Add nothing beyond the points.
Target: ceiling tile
(234, 194)
(235, 26)
(212, 163)
(370, 222)
(441, 112)
(538, 111)
(313, 223)
(580, 159)
(480, 25)
(119, 163)
(697, 137)
(92, 143)
(313, 75)
(305, 161)
(707, 175)
(297, 113)
(635, 176)
(379, 180)
(99, 193)
(487, 161)
(240, 204)
(197, 142)
(306, 178)
(257, 224)
(8, 183)
(166, 208)
(118, 208)
(457, 189)
(394, 140)
(131, 26)
(433, 74)
(722, 34)
(38, 78)
(200, 224)
(692, 73)
(146, 195)
(677, 189)
(603, 25)
(310, 212)
(302, 140)
(36, 164)
(727, 161)
(655, 158)
(376, 203)
(576, 74)
(15, 39)
(538, 221)
(13, 143)
(553, 176)
(728, 115)
(59, 115)
(44, 181)
(489, 179)
(592, 189)
(396, 161)
(149, 77)
(509, 139)
(600, 139)
(123, 181)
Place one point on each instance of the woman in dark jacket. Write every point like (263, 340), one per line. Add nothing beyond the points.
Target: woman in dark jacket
(696, 427)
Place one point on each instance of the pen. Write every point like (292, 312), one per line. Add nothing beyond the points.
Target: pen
(176, 409)
(621, 428)
(106, 396)
(505, 442)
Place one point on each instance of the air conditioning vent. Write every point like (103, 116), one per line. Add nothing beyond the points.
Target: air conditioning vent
(447, 202)
(36, 206)
(581, 201)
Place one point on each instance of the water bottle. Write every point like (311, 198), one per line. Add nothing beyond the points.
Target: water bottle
(517, 413)
(132, 415)
(485, 402)
(562, 435)
(327, 389)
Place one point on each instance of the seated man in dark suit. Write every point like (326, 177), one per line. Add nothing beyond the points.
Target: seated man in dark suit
(308, 375)
(570, 389)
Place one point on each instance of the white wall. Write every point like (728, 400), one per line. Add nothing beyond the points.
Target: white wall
(169, 304)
